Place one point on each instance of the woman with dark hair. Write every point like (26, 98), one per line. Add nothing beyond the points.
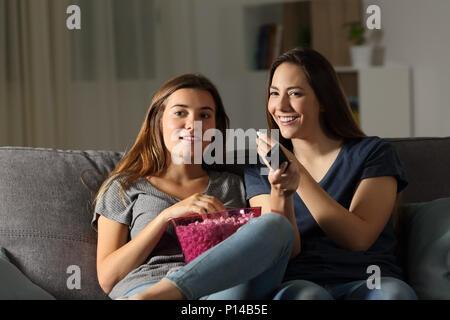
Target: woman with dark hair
(347, 191)
(138, 255)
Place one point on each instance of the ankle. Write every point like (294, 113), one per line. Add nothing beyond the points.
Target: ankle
(163, 290)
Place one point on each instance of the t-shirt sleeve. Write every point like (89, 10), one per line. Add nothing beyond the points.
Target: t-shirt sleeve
(255, 183)
(382, 161)
(114, 204)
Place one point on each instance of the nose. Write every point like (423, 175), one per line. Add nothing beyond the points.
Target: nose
(283, 103)
(191, 121)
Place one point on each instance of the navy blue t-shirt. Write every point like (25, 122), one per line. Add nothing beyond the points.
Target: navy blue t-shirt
(321, 260)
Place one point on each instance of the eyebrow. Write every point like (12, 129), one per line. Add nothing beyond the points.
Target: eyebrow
(288, 88)
(185, 106)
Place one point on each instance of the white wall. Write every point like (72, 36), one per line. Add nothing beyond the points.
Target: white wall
(416, 32)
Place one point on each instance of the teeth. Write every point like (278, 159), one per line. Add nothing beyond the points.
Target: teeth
(287, 119)
(191, 138)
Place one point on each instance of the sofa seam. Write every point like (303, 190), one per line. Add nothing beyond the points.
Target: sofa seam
(72, 152)
(37, 234)
(418, 139)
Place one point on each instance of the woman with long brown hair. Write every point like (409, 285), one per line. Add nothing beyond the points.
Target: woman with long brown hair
(347, 190)
(160, 179)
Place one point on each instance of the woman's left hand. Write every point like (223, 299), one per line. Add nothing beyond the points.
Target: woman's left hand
(284, 181)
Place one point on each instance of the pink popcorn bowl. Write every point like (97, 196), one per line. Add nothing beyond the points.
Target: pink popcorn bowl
(198, 233)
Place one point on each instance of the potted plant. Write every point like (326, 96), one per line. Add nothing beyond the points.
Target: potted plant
(360, 51)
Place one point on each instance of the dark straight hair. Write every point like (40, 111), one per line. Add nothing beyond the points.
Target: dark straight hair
(337, 116)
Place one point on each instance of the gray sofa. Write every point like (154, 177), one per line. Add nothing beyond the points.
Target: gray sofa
(45, 214)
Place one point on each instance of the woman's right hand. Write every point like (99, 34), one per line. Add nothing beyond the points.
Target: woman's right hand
(197, 203)
(285, 179)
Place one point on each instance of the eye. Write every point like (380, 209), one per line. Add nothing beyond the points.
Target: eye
(205, 116)
(296, 93)
(179, 113)
(273, 93)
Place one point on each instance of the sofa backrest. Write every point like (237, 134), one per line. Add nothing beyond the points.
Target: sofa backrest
(426, 162)
(46, 197)
(427, 165)
(45, 216)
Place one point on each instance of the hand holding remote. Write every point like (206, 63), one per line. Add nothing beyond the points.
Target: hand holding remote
(286, 178)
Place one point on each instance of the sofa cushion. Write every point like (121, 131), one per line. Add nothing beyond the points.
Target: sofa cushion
(15, 285)
(425, 241)
(45, 215)
(426, 164)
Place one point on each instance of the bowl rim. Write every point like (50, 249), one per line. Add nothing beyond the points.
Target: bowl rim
(215, 214)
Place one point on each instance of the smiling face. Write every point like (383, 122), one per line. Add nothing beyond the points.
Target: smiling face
(182, 109)
(293, 103)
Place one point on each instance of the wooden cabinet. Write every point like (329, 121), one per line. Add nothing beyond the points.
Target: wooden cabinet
(329, 34)
(319, 24)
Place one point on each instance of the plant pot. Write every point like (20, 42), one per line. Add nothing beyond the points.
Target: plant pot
(361, 55)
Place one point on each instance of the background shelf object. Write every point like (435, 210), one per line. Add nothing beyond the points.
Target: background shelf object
(273, 28)
(264, 29)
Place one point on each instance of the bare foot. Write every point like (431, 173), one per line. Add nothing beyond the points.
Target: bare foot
(163, 290)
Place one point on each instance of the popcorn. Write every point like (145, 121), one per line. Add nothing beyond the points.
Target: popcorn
(197, 234)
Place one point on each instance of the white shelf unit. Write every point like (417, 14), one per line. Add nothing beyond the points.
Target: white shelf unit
(384, 101)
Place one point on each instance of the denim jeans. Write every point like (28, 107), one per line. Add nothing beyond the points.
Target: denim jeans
(390, 289)
(250, 264)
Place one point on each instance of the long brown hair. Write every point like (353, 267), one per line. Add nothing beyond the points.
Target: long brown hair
(148, 155)
(337, 116)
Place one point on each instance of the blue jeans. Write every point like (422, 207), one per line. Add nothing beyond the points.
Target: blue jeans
(250, 264)
(390, 289)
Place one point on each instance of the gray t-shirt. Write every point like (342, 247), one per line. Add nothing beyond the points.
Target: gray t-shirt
(143, 203)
